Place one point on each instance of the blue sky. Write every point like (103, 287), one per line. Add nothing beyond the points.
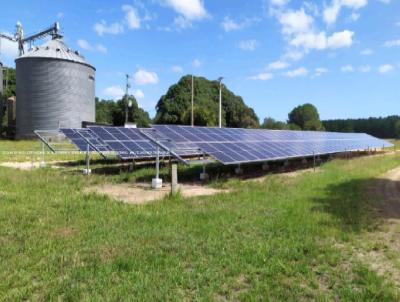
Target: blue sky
(341, 55)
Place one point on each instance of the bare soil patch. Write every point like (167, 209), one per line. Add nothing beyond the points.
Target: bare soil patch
(29, 165)
(143, 193)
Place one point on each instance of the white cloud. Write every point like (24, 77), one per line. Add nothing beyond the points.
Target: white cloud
(385, 1)
(182, 23)
(392, 43)
(278, 65)
(385, 68)
(364, 68)
(138, 94)
(295, 22)
(299, 72)
(262, 77)
(144, 77)
(320, 41)
(177, 69)
(293, 55)
(131, 17)
(115, 92)
(197, 63)
(102, 28)
(188, 10)
(367, 52)
(82, 43)
(347, 68)
(354, 17)
(332, 11)
(248, 45)
(319, 71)
(230, 25)
(279, 2)
(60, 15)
(340, 39)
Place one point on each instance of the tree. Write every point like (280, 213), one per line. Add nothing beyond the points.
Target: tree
(397, 129)
(175, 106)
(270, 123)
(113, 113)
(306, 117)
(10, 82)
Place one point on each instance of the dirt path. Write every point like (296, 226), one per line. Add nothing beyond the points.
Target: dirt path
(380, 250)
(387, 190)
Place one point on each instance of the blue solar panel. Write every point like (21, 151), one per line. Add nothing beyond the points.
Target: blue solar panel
(84, 137)
(234, 145)
(77, 139)
(128, 143)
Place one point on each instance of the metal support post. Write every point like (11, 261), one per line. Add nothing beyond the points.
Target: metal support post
(42, 162)
(156, 183)
(158, 163)
(238, 170)
(204, 175)
(314, 160)
(174, 179)
(87, 171)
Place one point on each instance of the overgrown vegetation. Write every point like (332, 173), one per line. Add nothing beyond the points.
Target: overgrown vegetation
(279, 239)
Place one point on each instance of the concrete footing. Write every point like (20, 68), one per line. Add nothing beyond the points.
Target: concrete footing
(87, 171)
(156, 183)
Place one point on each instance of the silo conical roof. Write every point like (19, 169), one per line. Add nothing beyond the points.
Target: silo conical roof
(55, 49)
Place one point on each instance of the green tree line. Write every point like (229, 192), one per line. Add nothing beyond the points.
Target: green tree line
(383, 127)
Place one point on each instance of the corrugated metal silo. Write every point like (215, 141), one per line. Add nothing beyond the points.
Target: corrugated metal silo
(55, 88)
(1, 79)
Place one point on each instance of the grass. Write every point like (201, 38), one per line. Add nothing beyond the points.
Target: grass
(275, 240)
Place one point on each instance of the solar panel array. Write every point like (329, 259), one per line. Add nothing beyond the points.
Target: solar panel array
(227, 145)
(233, 146)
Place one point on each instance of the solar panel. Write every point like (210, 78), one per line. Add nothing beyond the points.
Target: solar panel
(128, 143)
(235, 145)
(84, 137)
(77, 139)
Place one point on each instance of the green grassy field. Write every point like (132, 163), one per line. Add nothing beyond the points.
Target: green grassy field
(286, 238)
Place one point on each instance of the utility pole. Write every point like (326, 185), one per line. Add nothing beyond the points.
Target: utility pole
(192, 119)
(220, 101)
(126, 98)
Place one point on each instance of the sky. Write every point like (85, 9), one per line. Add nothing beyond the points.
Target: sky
(343, 56)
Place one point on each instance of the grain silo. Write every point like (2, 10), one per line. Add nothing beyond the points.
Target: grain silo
(1, 81)
(55, 88)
